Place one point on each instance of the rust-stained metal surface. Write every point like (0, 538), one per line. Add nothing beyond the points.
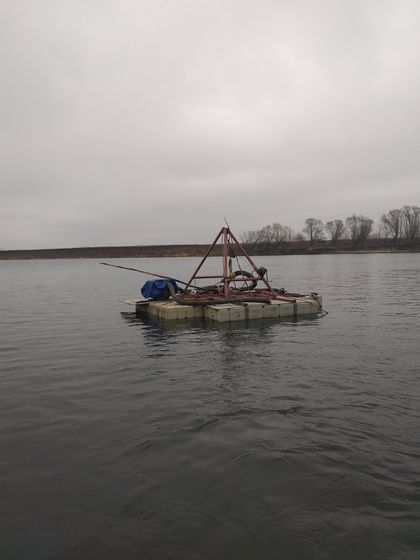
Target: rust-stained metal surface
(237, 287)
(231, 250)
(257, 296)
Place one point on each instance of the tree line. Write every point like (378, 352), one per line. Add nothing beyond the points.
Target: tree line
(395, 226)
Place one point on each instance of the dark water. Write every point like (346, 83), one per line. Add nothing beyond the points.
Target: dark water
(124, 439)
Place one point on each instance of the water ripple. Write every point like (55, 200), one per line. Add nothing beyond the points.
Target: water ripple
(124, 438)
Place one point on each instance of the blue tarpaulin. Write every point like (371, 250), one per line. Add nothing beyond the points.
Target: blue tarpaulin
(158, 289)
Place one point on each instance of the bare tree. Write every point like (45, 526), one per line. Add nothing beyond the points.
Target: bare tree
(278, 232)
(380, 232)
(359, 228)
(249, 237)
(289, 234)
(393, 222)
(352, 228)
(410, 222)
(366, 225)
(336, 229)
(282, 234)
(266, 236)
(269, 236)
(314, 229)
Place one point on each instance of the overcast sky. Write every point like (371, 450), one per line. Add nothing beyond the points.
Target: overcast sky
(128, 122)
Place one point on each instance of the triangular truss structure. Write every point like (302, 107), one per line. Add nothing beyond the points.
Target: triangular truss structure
(232, 249)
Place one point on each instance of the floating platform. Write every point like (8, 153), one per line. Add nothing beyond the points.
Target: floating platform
(236, 296)
(305, 305)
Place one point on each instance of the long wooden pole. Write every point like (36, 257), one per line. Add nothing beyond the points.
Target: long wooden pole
(145, 272)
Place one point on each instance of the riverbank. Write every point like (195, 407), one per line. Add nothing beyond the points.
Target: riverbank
(150, 251)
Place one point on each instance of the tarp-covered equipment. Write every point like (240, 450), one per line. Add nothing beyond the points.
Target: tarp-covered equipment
(159, 289)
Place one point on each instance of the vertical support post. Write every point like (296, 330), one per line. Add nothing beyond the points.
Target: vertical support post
(225, 261)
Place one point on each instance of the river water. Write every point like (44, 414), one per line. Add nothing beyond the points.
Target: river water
(123, 439)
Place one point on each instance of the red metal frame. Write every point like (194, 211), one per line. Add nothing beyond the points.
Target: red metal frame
(225, 233)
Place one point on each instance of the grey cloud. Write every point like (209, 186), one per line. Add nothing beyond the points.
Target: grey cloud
(128, 122)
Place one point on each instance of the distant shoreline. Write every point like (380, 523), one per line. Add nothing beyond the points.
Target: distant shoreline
(153, 251)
